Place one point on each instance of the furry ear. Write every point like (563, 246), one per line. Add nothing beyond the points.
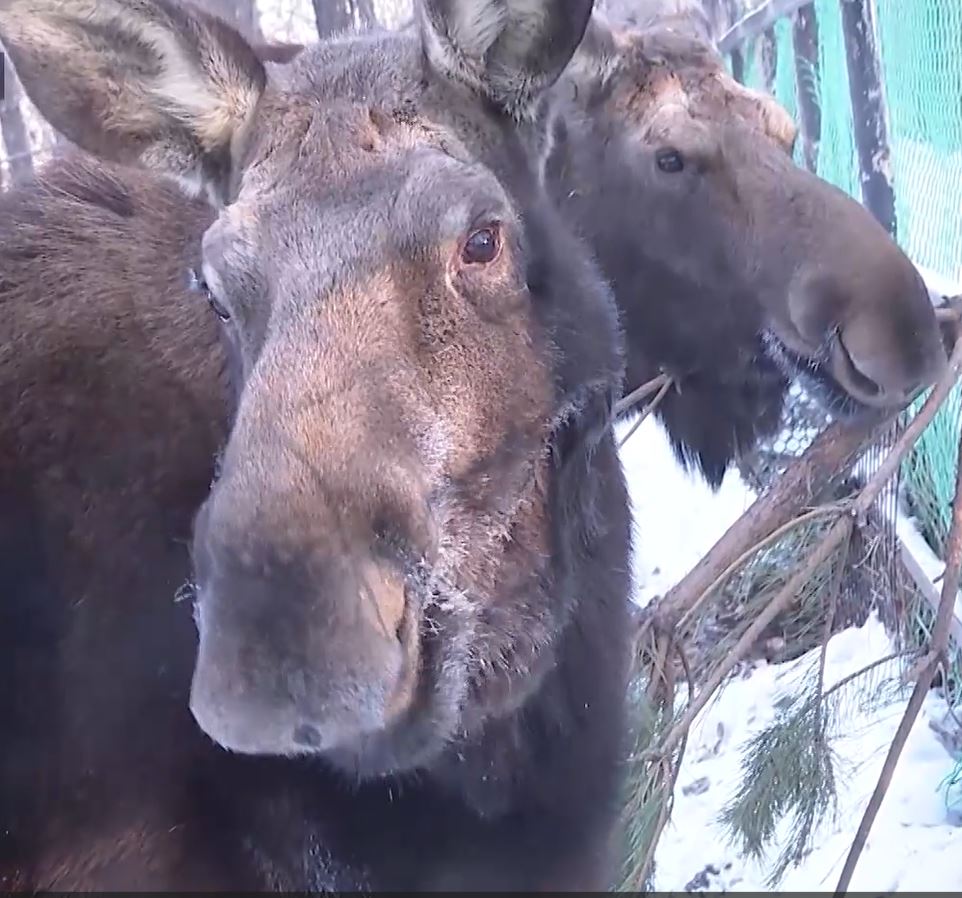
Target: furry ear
(146, 82)
(598, 55)
(279, 53)
(510, 51)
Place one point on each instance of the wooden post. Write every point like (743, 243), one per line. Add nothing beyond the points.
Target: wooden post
(332, 16)
(868, 111)
(768, 58)
(805, 42)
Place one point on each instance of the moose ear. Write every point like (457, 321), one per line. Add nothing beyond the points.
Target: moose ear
(510, 51)
(598, 55)
(146, 82)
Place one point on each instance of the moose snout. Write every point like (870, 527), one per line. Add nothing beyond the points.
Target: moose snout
(876, 329)
(300, 654)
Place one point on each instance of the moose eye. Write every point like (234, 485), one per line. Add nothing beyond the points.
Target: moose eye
(669, 160)
(482, 246)
(196, 282)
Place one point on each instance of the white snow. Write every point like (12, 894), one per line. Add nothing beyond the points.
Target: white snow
(677, 518)
(916, 840)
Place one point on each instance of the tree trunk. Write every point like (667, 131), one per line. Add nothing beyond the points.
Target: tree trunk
(16, 138)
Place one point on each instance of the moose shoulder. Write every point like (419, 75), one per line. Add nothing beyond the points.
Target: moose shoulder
(411, 569)
(734, 268)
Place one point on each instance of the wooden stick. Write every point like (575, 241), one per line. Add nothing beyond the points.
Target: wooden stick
(642, 392)
(665, 386)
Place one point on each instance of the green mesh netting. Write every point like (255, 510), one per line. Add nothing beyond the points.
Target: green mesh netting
(929, 472)
(920, 42)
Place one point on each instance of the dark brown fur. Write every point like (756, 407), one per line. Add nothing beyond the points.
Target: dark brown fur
(417, 468)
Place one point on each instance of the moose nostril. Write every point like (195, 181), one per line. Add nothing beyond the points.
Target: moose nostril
(861, 380)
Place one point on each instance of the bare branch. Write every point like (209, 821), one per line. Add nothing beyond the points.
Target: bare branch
(648, 410)
(642, 392)
(767, 517)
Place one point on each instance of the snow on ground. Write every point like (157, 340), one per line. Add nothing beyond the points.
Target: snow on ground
(677, 518)
(916, 840)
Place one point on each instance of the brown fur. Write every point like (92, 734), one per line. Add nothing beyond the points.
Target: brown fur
(412, 565)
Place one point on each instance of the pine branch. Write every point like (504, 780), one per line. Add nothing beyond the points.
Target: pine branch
(788, 768)
(812, 515)
(837, 534)
(829, 543)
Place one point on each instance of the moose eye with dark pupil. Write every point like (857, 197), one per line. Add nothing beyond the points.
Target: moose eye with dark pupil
(669, 161)
(482, 247)
(195, 281)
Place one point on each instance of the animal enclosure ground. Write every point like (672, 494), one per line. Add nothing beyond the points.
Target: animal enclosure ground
(917, 836)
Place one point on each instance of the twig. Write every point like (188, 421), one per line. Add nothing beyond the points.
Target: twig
(756, 21)
(831, 612)
(639, 393)
(927, 589)
(648, 410)
(841, 684)
(937, 646)
(670, 781)
(773, 537)
(664, 815)
(659, 669)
